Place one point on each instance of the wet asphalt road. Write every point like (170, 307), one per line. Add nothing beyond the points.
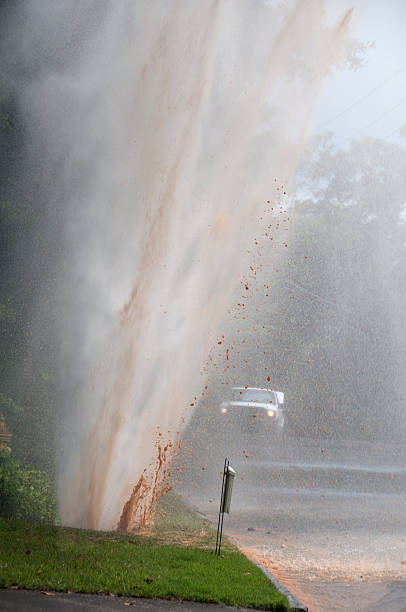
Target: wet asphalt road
(328, 519)
(36, 601)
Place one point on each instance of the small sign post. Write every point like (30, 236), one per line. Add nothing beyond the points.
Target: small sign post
(225, 500)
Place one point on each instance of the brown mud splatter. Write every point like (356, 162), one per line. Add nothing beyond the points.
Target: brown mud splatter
(139, 510)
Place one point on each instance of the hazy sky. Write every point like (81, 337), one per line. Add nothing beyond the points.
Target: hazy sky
(382, 22)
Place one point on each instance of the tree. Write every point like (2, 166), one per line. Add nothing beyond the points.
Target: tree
(346, 319)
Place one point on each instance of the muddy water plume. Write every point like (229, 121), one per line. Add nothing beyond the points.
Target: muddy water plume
(164, 127)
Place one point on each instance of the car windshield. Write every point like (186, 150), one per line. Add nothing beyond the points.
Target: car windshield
(253, 395)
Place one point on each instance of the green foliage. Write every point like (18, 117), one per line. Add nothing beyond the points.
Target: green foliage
(25, 493)
(28, 397)
(32, 424)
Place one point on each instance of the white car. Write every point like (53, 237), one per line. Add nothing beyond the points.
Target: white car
(252, 407)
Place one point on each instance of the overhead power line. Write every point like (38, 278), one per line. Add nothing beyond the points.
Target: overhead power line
(359, 100)
(390, 110)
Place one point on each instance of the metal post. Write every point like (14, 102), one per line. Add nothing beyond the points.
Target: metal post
(221, 532)
(221, 510)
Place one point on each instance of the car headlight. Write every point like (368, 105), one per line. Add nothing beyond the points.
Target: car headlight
(271, 413)
(224, 410)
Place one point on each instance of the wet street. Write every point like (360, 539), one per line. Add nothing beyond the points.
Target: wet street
(328, 518)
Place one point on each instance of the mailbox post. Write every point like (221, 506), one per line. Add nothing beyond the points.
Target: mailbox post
(225, 500)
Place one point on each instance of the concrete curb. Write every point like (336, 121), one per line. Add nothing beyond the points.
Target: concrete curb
(294, 603)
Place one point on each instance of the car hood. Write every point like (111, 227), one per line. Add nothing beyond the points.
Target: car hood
(263, 405)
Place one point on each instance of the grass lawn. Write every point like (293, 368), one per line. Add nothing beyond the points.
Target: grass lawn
(145, 565)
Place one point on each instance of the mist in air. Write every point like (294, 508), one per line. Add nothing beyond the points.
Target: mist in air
(188, 235)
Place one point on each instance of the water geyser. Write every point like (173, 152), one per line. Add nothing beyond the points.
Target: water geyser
(164, 127)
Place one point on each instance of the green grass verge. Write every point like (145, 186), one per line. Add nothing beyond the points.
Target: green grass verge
(64, 559)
